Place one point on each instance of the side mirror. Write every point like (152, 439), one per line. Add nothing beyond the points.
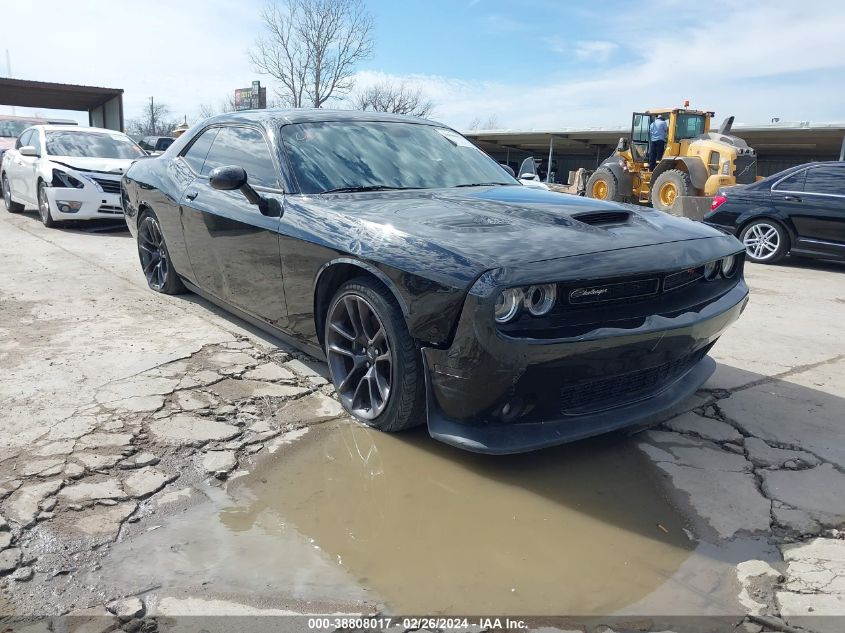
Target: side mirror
(231, 177)
(528, 176)
(508, 169)
(28, 150)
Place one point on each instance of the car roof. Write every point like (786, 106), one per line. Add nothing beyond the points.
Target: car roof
(75, 128)
(285, 116)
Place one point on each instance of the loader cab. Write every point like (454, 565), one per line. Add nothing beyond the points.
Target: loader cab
(684, 125)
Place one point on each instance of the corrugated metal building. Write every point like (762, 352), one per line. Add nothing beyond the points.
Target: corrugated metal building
(778, 145)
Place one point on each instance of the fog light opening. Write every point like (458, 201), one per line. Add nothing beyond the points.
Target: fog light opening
(511, 410)
(68, 206)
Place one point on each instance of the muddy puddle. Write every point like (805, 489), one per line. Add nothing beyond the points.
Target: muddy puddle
(430, 529)
(348, 519)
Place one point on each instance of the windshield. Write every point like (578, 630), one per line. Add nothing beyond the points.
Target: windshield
(689, 126)
(91, 145)
(13, 129)
(364, 154)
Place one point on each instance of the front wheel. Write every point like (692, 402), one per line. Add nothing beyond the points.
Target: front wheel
(155, 260)
(374, 363)
(44, 208)
(668, 187)
(603, 185)
(11, 207)
(765, 241)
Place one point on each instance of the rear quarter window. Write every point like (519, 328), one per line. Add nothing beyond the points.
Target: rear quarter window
(794, 182)
(825, 179)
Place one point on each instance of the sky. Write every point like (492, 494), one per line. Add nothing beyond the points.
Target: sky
(527, 64)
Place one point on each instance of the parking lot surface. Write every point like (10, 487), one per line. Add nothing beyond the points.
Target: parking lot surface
(160, 457)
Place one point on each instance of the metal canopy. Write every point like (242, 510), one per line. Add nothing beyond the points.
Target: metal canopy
(104, 105)
(798, 138)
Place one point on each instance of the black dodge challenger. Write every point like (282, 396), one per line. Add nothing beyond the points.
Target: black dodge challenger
(438, 288)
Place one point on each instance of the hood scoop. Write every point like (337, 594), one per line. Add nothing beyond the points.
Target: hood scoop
(600, 218)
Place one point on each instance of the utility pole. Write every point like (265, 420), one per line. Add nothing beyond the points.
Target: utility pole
(152, 129)
(9, 72)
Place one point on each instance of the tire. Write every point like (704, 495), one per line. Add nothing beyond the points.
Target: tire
(44, 208)
(155, 259)
(669, 186)
(603, 185)
(765, 241)
(11, 207)
(364, 325)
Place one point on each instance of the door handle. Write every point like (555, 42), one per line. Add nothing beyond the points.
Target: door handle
(193, 193)
(792, 198)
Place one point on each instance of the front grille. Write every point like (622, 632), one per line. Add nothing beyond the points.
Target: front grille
(613, 292)
(745, 169)
(613, 391)
(682, 278)
(110, 208)
(108, 185)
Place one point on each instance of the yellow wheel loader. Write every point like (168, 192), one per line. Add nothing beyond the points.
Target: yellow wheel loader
(697, 162)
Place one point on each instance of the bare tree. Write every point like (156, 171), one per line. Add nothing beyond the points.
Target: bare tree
(226, 104)
(312, 46)
(156, 120)
(474, 124)
(492, 123)
(394, 98)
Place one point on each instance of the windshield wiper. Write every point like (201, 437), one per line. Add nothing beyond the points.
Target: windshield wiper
(367, 188)
(483, 184)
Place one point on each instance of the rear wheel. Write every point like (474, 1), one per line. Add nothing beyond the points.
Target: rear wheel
(11, 207)
(765, 241)
(603, 185)
(44, 207)
(155, 260)
(669, 186)
(374, 363)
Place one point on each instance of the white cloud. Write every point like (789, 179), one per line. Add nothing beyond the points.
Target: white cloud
(596, 50)
(753, 61)
(183, 53)
(734, 63)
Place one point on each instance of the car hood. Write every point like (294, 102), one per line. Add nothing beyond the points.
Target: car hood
(116, 166)
(496, 226)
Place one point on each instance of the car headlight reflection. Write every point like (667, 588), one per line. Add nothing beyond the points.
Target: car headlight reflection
(540, 299)
(64, 179)
(508, 305)
(730, 264)
(711, 269)
(537, 300)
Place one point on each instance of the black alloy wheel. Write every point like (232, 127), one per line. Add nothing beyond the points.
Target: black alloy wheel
(155, 260)
(374, 363)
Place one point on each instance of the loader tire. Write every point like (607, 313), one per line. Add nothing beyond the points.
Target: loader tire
(603, 185)
(669, 186)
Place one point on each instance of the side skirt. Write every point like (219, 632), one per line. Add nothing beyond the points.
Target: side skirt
(311, 350)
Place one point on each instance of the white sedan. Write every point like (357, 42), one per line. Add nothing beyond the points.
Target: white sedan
(67, 172)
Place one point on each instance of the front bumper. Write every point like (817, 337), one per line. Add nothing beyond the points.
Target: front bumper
(564, 390)
(95, 204)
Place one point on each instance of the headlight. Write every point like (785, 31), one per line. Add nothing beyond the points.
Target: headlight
(726, 168)
(508, 305)
(63, 179)
(730, 264)
(540, 299)
(711, 269)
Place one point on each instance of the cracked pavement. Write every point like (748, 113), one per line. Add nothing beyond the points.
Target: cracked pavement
(117, 403)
